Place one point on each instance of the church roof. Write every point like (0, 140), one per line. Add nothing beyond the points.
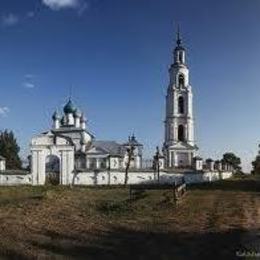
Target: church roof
(183, 146)
(111, 147)
(197, 158)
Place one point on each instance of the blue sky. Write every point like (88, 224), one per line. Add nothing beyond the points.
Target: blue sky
(116, 55)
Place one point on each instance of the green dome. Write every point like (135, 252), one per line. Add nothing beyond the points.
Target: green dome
(69, 108)
(77, 113)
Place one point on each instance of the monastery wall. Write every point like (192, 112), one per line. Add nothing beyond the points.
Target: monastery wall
(13, 180)
(117, 178)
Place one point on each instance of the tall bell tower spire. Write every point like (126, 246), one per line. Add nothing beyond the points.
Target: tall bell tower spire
(179, 145)
(178, 36)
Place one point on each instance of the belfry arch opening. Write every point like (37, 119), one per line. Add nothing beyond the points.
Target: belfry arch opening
(180, 57)
(181, 133)
(52, 169)
(181, 80)
(181, 105)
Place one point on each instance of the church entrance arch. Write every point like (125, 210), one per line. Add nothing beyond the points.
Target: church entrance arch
(52, 169)
(52, 159)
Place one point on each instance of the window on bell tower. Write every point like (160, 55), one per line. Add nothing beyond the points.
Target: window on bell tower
(181, 133)
(181, 80)
(181, 105)
(180, 57)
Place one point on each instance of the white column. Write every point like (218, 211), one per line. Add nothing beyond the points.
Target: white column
(175, 132)
(34, 168)
(70, 119)
(71, 167)
(63, 168)
(41, 167)
(56, 124)
(98, 163)
(189, 103)
(138, 162)
(83, 125)
(88, 162)
(67, 167)
(186, 132)
(175, 156)
(107, 162)
(77, 122)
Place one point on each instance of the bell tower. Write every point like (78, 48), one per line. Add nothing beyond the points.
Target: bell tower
(179, 145)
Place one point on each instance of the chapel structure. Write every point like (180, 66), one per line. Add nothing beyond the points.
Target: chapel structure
(179, 145)
(68, 148)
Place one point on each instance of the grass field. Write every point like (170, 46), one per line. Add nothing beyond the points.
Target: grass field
(211, 221)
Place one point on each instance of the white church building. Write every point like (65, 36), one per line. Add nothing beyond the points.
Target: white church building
(68, 148)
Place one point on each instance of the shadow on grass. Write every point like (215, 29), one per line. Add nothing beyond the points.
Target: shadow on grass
(241, 184)
(123, 243)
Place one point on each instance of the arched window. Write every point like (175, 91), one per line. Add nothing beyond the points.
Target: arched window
(92, 163)
(181, 105)
(181, 80)
(180, 57)
(181, 133)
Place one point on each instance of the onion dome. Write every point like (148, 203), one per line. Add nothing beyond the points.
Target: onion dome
(77, 113)
(132, 141)
(63, 120)
(56, 116)
(69, 108)
(83, 119)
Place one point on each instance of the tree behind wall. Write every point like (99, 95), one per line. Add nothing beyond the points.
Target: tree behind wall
(232, 159)
(10, 150)
(256, 165)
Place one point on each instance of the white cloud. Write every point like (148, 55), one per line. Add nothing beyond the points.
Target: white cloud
(28, 85)
(4, 111)
(10, 19)
(63, 4)
(29, 81)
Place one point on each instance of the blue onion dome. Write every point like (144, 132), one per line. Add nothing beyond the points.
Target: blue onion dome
(56, 115)
(133, 141)
(69, 108)
(83, 118)
(63, 120)
(77, 113)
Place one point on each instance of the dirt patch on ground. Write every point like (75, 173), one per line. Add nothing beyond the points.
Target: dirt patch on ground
(214, 220)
